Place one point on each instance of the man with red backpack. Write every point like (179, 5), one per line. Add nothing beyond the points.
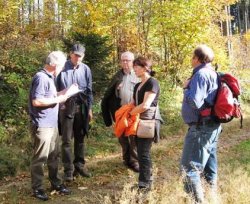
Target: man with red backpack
(199, 155)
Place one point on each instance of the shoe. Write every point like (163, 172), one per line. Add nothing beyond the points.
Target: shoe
(135, 168)
(82, 172)
(62, 189)
(68, 177)
(40, 194)
(144, 189)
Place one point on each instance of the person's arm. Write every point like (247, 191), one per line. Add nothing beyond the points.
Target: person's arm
(147, 101)
(132, 102)
(38, 93)
(89, 93)
(196, 92)
(70, 91)
(62, 96)
(44, 102)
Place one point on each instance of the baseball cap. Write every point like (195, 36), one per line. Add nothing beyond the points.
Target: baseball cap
(78, 49)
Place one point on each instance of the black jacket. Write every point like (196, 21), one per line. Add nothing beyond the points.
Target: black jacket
(111, 101)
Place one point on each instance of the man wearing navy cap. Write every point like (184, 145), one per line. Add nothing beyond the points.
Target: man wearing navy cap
(76, 113)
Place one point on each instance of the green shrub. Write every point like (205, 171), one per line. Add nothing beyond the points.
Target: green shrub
(9, 162)
(96, 56)
(170, 107)
(101, 138)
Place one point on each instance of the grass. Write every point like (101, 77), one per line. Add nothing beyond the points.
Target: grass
(113, 183)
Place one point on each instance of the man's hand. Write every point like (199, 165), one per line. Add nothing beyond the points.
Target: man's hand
(62, 98)
(45, 102)
(73, 89)
(90, 115)
(186, 83)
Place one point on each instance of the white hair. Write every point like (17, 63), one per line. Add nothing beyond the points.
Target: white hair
(57, 58)
(128, 54)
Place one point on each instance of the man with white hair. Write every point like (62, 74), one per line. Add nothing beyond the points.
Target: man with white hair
(118, 93)
(199, 155)
(43, 110)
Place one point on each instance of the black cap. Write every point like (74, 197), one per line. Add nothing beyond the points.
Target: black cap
(78, 49)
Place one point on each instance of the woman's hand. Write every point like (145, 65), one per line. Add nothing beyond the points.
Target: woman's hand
(147, 101)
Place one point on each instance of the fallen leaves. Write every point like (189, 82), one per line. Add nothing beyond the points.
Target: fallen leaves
(81, 188)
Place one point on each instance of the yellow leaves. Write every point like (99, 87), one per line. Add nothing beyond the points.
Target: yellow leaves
(7, 9)
(247, 37)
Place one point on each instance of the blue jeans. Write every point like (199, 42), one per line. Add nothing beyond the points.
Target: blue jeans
(199, 157)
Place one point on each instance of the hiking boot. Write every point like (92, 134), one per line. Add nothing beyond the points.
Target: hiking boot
(134, 167)
(82, 172)
(143, 189)
(62, 189)
(68, 177)
(40, 194)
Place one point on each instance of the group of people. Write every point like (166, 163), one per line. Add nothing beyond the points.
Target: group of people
(61, 93)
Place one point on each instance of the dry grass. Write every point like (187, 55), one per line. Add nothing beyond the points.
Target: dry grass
(112, 183)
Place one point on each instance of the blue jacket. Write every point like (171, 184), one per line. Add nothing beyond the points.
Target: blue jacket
(200, 93)
(81, 75)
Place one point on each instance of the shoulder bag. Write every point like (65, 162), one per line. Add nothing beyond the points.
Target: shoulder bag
(146, 127)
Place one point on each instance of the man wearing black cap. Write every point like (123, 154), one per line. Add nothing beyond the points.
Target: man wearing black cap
(76, 113)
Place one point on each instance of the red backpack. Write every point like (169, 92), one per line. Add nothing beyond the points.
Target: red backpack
(226, 106)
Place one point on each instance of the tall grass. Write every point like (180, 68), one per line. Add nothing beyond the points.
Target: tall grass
(234, 185)
(112, 183)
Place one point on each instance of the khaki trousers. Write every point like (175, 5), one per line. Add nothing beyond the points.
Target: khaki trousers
(46, 149)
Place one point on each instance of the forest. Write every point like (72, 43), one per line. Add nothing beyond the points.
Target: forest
(165, 31)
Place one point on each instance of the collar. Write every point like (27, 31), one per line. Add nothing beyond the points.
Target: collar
(72, 66)
(201, 66)
(47, 73)
(131, 72)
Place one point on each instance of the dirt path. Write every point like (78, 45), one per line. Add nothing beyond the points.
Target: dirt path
(110, 176)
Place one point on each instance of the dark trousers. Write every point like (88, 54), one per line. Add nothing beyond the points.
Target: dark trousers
(145, 163)
(129, 150)
(46, 149)
(72, 127)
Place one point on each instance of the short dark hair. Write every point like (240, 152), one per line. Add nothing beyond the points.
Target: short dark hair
(144, 62)
(204, 53)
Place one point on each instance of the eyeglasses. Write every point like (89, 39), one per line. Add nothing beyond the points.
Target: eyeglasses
(126, 61)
